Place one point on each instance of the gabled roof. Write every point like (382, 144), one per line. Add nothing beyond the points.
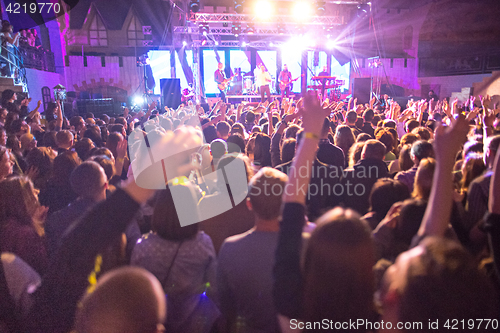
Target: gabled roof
(113, 13)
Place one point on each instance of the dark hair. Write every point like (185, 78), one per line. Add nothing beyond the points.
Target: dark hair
(422, 149)
(49, 139)
(386, 138)
(86, 179)
(6, 26)
(405, 161)
(262, 150)
(434, 278)
(43, 159)
(291, 131)
(368, 115)
(106, 163)
(165, 220)
(218, 148)
(266, 205)
(351, 117)
(288, 150)
(83, 148)
(362, 137)
(423, 132)
(338, 269)
(64, 164)
(235, 143)
(93, 132)
(223, 128)
(385, 192)
(210, 133)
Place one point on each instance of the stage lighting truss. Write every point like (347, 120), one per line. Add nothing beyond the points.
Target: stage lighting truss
(204, 28)
(244, 18)
(271, 31)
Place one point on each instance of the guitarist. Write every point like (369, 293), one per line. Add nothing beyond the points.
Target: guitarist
(220, 77)
(285, 80)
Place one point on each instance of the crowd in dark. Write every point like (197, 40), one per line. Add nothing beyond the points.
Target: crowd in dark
(378, 212)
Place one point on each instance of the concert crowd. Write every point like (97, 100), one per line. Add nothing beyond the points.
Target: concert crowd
(351, 217)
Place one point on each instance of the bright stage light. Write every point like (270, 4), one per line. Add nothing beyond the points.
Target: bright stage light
(244, 44)
(184, 43)
(312, 43)
(216, 43)
(330, 44)
(138, 100)
(271, 44)
(301, 10)
(263, 9)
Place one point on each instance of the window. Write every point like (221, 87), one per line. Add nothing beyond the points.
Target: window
(134, 32)
(98, 35)
(408, 38)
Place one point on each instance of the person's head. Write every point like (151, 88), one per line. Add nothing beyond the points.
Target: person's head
(238, 128)
(351, 118)
(106, 162)
(337, 275)
(389, 123)
(420, 150)
(41, 158)
(344, 138)
(408, 139)
(83, 148)
(362, 137)
(285, 67)
(223, 129)
(28, 142)
(64, 164)
(19, 200)
(93, 132)
(373, 149)
(435, 281)
(325, 68)
(405, 160)
(472, 167)
(265, 192)
(250, 117)
(491, 148)
(368, 115)
(218, 148)
(325, 129)
(88, 180)
(118, 128)
(411, 125)
(77, 122)
(220, 66)
(127, 299)
(423, 133)
(355, 153)
(8, 95)
(3, 115)
(166, 221)
(262, 150)
(19, 127)
(288, 150)
(291, 131)
(385, 192)
(6, 163)
(235, 144)
(386, 138)
(423, 179)
(113, 139)
(64, 139)
(49, 139)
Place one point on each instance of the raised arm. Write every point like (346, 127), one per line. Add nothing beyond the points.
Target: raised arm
(287, 274)
(446, 145)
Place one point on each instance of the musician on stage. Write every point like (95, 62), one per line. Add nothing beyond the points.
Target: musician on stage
(285, 79)
(323, 81)
(262, 80)
(220, 78)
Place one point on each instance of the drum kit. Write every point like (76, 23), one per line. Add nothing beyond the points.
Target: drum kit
(250, 88)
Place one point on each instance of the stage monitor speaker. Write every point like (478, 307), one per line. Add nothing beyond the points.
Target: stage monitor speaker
(361, 89)
(171, 92)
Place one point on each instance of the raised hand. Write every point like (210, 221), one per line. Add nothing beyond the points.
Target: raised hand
(313, 114)
(485, 101)
(448, 140)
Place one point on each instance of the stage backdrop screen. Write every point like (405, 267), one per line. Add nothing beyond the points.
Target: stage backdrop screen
(210, 60)
(241, 59)
(268, 58)
(160, 66)
(292, 57)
